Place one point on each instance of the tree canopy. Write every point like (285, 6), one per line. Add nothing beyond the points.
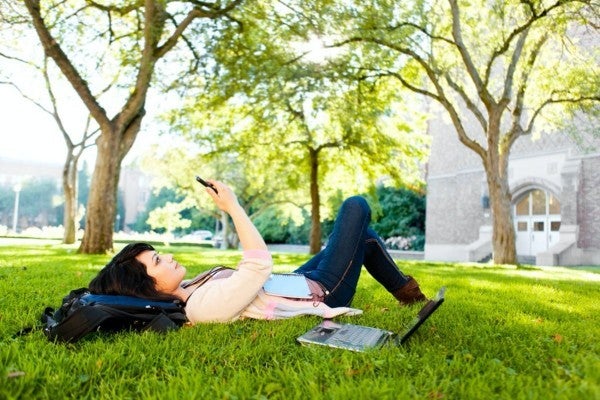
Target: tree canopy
(97, 45)
(301, 126)
(293, 100)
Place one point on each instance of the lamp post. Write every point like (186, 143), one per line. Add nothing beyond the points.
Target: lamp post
(17, 188)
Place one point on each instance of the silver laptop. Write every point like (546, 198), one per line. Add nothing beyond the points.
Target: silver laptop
(361, 338)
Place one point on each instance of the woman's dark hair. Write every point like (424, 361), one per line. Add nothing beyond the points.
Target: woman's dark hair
(125, 275)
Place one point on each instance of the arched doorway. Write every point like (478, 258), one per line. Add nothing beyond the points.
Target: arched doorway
(537, 221)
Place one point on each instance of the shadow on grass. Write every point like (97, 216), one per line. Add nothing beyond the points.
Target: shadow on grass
(500, 301)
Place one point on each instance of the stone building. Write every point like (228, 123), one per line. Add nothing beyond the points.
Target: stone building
(555, 185)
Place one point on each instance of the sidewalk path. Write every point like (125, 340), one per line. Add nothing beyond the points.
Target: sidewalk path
(303, 249)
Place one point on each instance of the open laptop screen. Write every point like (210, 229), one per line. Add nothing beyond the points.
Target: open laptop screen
(425, 312)
(360, 338)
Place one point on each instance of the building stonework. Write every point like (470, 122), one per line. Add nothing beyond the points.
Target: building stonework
(589, 215)
(552, 167)
(454, 195)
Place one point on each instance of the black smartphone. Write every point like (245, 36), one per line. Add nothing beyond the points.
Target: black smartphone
(207, 184)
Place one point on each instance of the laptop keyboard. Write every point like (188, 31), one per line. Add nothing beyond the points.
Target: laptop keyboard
(357, 335)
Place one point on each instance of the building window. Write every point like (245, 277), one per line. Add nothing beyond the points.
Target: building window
(538, 226)
(538, 202)
(523, 206)
(553, 205)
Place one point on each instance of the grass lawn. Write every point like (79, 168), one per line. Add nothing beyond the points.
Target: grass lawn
(503, 333)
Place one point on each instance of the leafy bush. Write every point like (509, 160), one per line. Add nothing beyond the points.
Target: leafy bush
(401, 214)
(272, 226)
(275, 227)
(400, 243)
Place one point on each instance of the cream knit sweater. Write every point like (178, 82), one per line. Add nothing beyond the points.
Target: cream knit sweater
(240, 295)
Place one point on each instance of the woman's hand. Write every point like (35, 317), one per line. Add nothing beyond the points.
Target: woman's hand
(226, 200)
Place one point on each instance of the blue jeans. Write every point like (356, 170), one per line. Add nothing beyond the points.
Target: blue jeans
(351, 245)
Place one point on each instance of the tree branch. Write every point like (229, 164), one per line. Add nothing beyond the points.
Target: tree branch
(154, 19)
(510, 72)
(55, 114)
(201, 10)
(516, 128)
(133, 5)
(573, 100)
(411, 87)
(520, 29)
(469, 103)
(439, 97)
(54, 51)
(172, 40)
(482, 90)
(416, 27)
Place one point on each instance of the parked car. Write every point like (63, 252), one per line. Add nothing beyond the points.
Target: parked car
(197, 236)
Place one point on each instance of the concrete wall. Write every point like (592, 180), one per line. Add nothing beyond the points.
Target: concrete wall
(589, 200)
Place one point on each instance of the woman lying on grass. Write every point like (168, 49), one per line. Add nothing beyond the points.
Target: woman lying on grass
(332, 274)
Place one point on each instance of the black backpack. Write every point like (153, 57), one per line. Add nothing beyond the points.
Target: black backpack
(82, 313)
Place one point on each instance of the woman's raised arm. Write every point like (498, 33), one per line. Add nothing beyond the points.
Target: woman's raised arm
(226, 200)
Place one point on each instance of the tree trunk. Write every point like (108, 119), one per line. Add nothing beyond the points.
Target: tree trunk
(496, 168)
(315, 201)
(70, 185)
(102, 202)
(503, 237)
(224, 231)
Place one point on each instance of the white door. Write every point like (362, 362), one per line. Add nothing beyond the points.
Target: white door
(537, 222)
(539, 235)
(523, 236)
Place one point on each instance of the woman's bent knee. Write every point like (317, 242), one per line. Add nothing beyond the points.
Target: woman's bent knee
(356, 203)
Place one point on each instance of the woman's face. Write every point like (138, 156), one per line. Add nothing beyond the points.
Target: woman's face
(167, 273)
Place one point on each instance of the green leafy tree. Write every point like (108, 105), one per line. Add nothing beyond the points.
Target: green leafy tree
(86, 41)
(168, 218)
(507, 65)
(7, 201)
(179, 166)
(297, 124)
(158, 198)
(273, 227)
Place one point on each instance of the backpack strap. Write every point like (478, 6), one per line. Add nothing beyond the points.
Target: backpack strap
(77, 325)
(161, 323)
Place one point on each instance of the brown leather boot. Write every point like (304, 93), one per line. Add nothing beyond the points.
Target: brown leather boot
(410, 293)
